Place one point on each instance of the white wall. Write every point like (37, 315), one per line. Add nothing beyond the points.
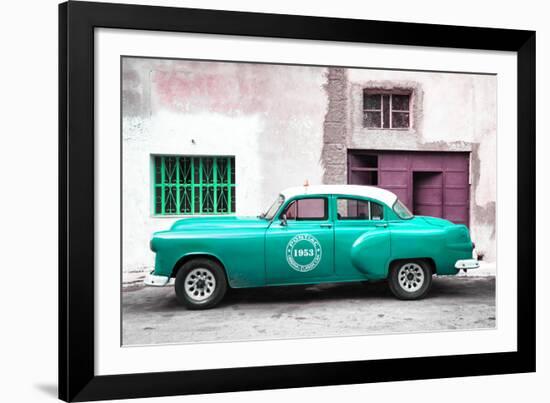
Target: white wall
(269, 117)
(452, 107)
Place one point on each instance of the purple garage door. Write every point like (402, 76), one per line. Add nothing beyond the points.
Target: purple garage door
(429, 183)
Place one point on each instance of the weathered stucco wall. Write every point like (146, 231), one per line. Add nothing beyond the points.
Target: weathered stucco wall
(269, 117)
(450, 112)
(288, 124)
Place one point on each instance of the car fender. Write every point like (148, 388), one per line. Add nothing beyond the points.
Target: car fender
(370, 253)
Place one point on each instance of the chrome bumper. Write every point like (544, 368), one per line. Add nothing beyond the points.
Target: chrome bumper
(156, 281)
(467, 264)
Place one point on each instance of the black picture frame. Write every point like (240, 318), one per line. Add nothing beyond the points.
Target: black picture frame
(77, 21)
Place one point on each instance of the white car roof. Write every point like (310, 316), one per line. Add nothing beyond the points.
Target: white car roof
(373, 192)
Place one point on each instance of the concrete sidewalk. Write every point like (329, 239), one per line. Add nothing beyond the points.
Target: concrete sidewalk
(153, 315)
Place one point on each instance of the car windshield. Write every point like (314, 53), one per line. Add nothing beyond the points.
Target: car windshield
(401, 210)
(270, 212)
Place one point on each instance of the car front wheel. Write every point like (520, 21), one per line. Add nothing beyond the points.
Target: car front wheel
(200, 284)
(410, 279)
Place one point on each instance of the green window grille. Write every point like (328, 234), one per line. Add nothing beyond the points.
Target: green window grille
(194, 185)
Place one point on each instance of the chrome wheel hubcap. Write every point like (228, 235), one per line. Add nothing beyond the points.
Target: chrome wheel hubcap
(199, 284)
(411, 277)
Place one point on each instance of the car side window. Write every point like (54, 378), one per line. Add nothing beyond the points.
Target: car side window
(355, 209)
(376, 211)
(307, 209)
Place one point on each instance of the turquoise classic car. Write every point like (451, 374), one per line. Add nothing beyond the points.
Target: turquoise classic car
(311, 234)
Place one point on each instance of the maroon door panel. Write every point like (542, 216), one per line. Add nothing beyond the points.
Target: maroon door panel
(396, 178)
(457, 161)
(429, 183)
(457, 195)
(394, 174)
(427, 193)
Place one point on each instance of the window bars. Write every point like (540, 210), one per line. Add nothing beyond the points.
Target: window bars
(194, 185)
(386, 110)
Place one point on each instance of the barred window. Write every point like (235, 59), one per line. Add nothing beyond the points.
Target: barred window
(386, 110)
(194, 185)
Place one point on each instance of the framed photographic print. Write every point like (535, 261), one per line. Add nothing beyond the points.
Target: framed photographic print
(259, 201)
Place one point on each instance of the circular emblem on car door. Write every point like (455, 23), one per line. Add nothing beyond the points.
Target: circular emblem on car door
(303, 252)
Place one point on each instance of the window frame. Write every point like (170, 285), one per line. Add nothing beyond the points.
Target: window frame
(399, 202)
(355, 219)
(326, 216)
(194, 186)
(391, 93)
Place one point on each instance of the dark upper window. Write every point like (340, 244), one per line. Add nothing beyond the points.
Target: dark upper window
(386, 109)
(354, 209)
(307, 209)
(362, 168)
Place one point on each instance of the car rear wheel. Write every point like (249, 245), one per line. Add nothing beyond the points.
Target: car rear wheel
(200, 284)
(410, 279)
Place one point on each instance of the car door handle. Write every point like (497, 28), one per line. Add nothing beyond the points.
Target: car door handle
(326, 225)
(381, 225)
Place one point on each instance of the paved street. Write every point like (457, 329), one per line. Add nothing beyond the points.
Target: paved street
(153, 315)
